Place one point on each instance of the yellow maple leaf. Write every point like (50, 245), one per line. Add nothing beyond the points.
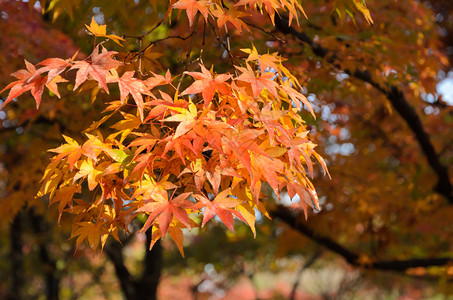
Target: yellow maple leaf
(101, 31)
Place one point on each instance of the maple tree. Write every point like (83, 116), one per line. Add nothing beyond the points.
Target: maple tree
(219, 128)
(252, 132)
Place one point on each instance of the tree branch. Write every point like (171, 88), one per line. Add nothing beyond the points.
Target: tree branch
(307, 264)
(287, 216)
(396, 98)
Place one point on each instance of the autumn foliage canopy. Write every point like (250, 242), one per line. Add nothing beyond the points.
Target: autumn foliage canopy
(180, 156)
(195, 118)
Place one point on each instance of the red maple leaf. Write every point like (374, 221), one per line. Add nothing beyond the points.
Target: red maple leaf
(222, 206)
(29, 80)
(54, 66)
(159, 207)
(128, 84)
(241, 144)
(97, 67)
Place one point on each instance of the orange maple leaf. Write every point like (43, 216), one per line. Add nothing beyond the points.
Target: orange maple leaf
(207, 85)
(265, 60)
(231, 15)
(73, 151)
(64, 196)
(192, 7)
(258, 83)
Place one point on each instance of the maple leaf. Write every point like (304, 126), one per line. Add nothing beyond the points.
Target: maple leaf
(300, 149)
(164, 210)
(147, 141)
(360, 5)
(64, 197)
(97, 67)
(202, 171)
(162, 106)
(58, 7)
(101, 31)
(221, 206)
(188, 119)
(126, 126)
(148, 61)
(269, 117)
(29, 80)
(297, 98)
(268, 168)
(271, 61)
(212, 132)
(293, 7)
(192, 7)
(54, 67)
(175, 233)
(298, 184)
(231, 15)
(73, 151)
(241, 144)
(323, 163)
(143, 161)
(258, 83)
(89, 170)
(207, 85)
(52, 84)
(271, 6)
(128, 84)
(113, 188)
(88, 231)
(247, 210)
(149, 188)
(158, 79)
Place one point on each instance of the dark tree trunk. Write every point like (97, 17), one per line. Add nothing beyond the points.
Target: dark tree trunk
(51, 276)
(115, 255)
(144, 287)
(16, 256)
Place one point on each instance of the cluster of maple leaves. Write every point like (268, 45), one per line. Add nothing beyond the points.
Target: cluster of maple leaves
(207, 150)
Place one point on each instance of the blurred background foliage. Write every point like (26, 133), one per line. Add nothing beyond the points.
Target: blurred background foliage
(386, 202)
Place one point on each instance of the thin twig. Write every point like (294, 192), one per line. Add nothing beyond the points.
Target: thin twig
(141, 37)
(307, 264)
(225, 46)
(188, 54)
(266, 32)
